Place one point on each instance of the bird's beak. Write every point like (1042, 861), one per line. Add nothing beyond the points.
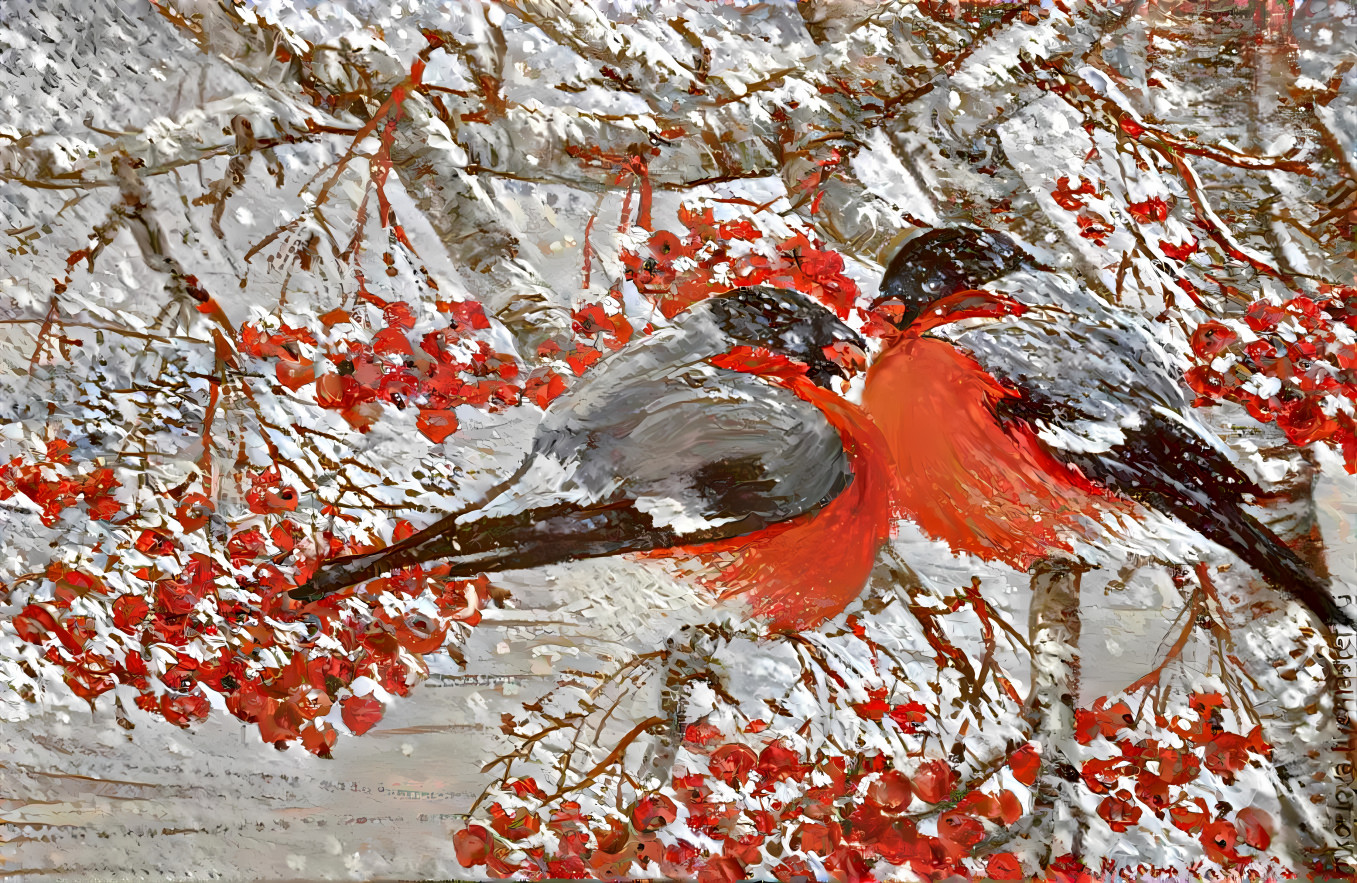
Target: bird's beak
(889, 315)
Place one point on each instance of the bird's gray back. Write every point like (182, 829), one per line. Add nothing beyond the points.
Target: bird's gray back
(1103, 366)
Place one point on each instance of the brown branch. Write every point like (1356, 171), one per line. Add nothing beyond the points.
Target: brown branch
(613, 756)
(1151, 678)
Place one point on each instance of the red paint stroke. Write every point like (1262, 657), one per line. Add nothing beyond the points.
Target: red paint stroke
(963, 477)
(808, 569)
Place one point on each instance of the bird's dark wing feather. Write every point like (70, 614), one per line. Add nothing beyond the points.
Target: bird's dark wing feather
(1166, 468)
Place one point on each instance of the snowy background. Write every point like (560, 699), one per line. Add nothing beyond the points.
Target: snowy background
(114, 101)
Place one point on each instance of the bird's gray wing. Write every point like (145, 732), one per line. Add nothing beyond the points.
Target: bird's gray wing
(1091, 373)
(1104, 395)
(692, 446)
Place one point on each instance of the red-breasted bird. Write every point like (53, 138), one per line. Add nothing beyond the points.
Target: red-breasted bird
(1026, 416)
(716, 437)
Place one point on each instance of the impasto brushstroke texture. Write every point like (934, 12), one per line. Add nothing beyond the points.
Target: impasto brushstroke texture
(688, 440)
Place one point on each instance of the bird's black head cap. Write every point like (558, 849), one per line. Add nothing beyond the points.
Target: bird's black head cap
(943, 261)
(785, 322)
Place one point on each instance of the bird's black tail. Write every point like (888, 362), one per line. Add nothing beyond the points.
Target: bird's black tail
(1167, 466)
(338, 574)
(533, 538)
(1229, 525)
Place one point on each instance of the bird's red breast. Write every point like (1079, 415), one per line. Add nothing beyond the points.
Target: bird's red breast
(963, 477)
(802, 571)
